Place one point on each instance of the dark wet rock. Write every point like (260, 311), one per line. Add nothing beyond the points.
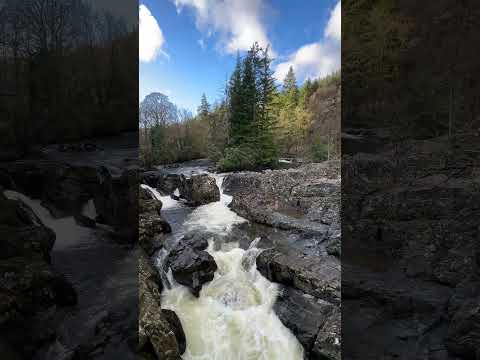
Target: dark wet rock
(464, 330)
(303, 314)
(328, 344)
(157, 337)
(152, 228)
(151, 206)
(116, 201)
(65, 294)
(176, 326)
(199, 190)
(195, 240)
(314, 275)
(150, 178)
(168, 183)
(152, 232)
(191, 267)
(144, 194)
(305, 199)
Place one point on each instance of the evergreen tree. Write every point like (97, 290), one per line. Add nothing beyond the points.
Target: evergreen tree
(290, 88)
(266, 94)
(235, 103)
(204, 108)
(247, 131)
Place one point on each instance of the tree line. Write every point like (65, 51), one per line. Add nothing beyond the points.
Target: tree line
(253, 124)
(66, 71)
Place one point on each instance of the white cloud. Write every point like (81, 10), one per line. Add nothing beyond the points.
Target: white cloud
(237, 22)
(334, 26)
(151, 38)
(201, 43)
(314, 60)
(319, 59)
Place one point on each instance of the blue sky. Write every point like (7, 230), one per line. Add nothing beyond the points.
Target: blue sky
(189, 47)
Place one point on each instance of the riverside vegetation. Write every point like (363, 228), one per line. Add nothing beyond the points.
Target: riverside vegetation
(252, 125)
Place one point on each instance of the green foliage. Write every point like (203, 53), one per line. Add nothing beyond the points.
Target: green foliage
(251, 93)
(319, 150)
(238, 158)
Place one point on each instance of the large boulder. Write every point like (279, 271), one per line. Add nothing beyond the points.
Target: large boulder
(199, 190)
(168, 183)
(150, 178)
(303, 314)
(191, 267)
(313, 275)
(116, 201)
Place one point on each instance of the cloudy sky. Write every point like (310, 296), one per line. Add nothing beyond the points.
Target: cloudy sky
(188, 47)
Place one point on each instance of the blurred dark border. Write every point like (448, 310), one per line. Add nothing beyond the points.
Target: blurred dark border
(68, 179)
(410, 189)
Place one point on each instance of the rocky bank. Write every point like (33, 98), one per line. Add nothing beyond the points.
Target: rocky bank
(305, 203)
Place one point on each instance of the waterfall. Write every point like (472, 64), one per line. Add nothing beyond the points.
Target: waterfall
(68, 232)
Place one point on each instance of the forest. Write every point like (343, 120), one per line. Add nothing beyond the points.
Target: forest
(400, 75)
(58, 53)
(252, 125)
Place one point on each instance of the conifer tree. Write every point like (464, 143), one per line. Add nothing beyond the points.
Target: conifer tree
(247, 131)
(235, 102)
(290, 88)
(204, 108)
(266, 93)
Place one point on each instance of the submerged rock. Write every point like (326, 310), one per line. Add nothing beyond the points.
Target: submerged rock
(199, 190)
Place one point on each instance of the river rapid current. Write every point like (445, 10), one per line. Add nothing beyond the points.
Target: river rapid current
(233, 318)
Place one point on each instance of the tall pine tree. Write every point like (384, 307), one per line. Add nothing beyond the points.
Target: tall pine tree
(204, 108)
(235, 96)
(266, 86)
(290, 88)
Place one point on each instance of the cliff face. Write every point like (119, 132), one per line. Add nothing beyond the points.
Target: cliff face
(326, 106)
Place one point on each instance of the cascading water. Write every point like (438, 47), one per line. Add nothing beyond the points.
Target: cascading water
(233, 319)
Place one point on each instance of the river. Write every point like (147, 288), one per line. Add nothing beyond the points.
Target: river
(233, 318)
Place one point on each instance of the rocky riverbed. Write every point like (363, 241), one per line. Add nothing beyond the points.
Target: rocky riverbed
(292, 267)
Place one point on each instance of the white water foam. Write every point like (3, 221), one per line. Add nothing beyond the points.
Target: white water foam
(167, 201)
(233, 319)
(89, 210)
